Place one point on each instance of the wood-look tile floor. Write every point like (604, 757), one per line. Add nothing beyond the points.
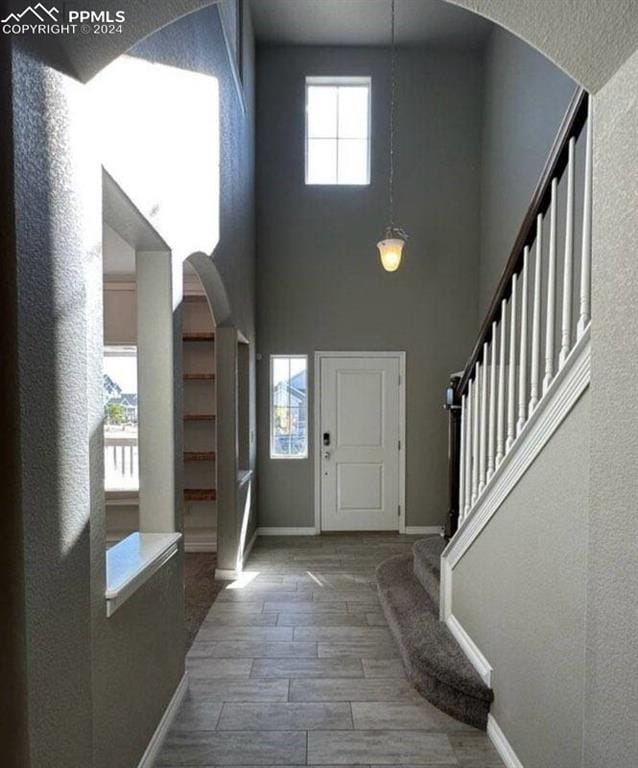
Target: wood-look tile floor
(296, 667)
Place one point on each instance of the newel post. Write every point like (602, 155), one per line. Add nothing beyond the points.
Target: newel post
(453, 407)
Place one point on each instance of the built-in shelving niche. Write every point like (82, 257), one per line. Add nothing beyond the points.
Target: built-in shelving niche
(200, 422)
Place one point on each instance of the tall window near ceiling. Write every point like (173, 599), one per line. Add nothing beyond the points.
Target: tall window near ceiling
(338, 130)
(288, 407)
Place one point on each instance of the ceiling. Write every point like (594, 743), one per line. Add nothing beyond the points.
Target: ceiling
(367, 22)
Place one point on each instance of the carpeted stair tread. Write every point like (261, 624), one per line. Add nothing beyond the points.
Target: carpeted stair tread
(434, 662)
(427, 564)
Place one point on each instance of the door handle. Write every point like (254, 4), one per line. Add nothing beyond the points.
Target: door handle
(326, 454)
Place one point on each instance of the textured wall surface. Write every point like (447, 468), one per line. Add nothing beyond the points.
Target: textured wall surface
(588, 39)
(611, 737)
(520, 593)
(525, 98)
(320, 282)
(97, 686)
(57, 232)
(143, 641)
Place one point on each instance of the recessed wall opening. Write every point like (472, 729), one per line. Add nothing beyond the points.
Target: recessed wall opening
(139, 474)
(200, 416)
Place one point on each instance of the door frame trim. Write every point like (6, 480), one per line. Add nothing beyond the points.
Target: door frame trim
(316, 441)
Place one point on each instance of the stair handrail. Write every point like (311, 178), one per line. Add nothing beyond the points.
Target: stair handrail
(488, 412)
(571, 127)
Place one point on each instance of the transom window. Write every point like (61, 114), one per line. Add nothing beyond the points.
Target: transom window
(337, 130)
(288, 407)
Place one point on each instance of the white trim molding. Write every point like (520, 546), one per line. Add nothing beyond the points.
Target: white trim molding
(558, 401)
(229, 574)
(191, 547)
(309, 530)
(250, 546)
(501, 744)
(164, 725)
(423, 530)
(318, 356)
(560, 398)
(470, 649)
(131, 562)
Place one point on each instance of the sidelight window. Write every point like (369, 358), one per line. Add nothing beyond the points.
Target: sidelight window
(288, 407)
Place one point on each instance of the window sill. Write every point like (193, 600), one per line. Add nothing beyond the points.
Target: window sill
(133, 561)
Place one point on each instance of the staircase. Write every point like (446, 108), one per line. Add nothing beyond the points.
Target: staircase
(435, 664)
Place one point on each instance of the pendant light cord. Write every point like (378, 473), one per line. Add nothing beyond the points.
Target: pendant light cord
(392, 109)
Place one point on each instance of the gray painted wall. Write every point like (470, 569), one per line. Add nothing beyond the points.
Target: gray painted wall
(611, 738)
(320, 283)
(525, 99)
(520, 593)
(97, 687)
(139, 651)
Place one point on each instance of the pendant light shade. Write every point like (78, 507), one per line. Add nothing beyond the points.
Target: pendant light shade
(391, 249)
(393, 243)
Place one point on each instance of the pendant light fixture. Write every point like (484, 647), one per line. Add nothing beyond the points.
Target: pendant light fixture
(395, 238)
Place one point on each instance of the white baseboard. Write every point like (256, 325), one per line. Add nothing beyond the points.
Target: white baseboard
(445, 601)
(302, 531)
(226, 574)
(470, 649)
(155, 744)
(250, 545)
(501, 744)
(230, 574)
(424, 530)
(200, 546)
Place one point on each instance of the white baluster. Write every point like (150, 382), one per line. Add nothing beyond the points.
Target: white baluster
(492, 408)
(551, 293)
(500, 445)
(536, 318)
(585, 255)
(511, 378)
(483, 434)
(566, 326)
(462, 461)
(522, 360)
(468, 451)
(475, 433)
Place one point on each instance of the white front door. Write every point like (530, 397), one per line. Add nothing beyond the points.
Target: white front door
(359, 443)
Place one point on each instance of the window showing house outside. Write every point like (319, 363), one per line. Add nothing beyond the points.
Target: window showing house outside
(288, 407)
(338, 130)
(121, 456)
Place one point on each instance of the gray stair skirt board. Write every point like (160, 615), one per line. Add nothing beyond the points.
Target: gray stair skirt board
(434, 662)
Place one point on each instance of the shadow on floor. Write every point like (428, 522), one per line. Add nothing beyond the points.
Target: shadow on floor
(200, 590)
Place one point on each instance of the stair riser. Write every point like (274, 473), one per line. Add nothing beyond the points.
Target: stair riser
(444, 676)
(430, 581)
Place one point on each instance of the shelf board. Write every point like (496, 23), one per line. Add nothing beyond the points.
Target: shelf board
(200, 494)
(199, 377)
(199, 455)
(199, 417)
(199, 336)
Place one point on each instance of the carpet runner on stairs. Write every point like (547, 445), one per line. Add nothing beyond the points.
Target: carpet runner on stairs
(435, 664)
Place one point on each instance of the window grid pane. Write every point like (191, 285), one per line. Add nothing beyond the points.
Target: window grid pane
(338, 134)
(288, 397)
(121, 449)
